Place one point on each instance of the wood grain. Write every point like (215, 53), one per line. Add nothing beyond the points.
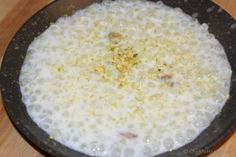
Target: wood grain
(13, 13)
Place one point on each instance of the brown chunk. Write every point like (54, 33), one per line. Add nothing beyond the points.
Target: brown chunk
(115, 38)
(166, 77)
(128, 135)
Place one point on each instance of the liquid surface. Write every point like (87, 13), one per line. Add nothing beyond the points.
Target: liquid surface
(125, 79)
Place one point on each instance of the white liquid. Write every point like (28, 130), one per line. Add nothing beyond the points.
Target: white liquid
(85, 92)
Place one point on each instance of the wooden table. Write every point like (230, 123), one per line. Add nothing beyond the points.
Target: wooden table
(13, 13)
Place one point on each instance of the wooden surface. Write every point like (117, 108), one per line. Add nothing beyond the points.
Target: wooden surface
(13, 13)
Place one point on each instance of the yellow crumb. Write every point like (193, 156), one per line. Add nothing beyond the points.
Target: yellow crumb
(60, 68)
(99, 69)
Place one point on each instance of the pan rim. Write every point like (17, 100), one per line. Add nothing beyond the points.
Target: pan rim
(29, 136)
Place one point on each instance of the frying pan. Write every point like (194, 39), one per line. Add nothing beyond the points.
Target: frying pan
(220, 24)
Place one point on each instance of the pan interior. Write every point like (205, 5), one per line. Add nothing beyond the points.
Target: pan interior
(91, 68)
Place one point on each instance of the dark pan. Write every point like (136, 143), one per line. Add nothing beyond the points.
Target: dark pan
(220, 23)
